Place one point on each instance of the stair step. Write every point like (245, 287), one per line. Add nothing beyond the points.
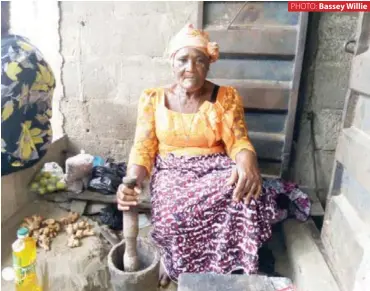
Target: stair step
(310, 271)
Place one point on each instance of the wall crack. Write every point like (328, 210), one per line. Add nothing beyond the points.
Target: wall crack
(63, 91)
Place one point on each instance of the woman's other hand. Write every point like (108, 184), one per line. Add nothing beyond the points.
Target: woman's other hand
(246, 176)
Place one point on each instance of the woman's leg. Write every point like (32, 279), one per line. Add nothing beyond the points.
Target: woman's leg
(164, 279)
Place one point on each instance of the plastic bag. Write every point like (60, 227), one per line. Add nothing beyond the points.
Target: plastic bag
(106, 179)
(49, 179)
(78, 171)
(112, 217)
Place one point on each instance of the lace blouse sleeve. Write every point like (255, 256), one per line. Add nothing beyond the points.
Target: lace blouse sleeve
(145, 145)
(236, 137)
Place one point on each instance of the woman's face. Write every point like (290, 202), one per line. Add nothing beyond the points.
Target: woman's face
(190, 67)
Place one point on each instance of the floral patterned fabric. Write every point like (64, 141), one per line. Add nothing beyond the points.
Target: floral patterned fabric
(27, 86)
(217, 127)
(199, 228)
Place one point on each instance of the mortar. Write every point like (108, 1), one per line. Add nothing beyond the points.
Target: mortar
(147, 276)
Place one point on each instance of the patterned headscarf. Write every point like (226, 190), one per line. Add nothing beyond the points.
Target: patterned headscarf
(194, 38)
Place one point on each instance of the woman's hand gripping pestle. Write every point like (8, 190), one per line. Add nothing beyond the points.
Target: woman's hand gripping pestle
(130, 232)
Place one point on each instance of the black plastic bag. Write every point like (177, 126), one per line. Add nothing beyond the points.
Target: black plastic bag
(106, 179)
(112, 217)
(266, 260)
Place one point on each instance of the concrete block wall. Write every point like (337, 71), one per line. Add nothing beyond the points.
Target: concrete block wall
(113, 51)
(326, 79)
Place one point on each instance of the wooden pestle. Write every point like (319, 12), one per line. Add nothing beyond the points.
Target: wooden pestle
(130, 232)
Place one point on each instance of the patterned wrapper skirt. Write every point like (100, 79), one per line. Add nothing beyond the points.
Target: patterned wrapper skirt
(199, 228)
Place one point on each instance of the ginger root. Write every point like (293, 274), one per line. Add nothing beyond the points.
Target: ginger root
(83, 225)
(43, 237)
(45, 230)
(72, 217)
(69, 229)
(73, 242)
(49, 221)
(32, 223)
(84, 233)
(55, 227)
(77, 231)
(44, 242)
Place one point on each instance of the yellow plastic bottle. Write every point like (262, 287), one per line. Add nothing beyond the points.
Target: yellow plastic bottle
(24, 262)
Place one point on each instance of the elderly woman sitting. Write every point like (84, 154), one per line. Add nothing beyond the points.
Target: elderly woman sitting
(211, 211)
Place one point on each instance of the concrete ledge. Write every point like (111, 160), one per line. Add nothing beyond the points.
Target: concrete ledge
(346, 240)
(310, 271)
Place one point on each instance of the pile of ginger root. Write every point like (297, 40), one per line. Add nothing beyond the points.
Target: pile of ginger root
(45, 230)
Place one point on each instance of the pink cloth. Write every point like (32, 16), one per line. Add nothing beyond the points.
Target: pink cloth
(195, 38)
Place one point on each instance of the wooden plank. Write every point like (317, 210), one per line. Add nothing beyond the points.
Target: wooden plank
(268, 145)
(266, 122)
(260, 94)
(256, 40)
(109, 235)
(89, 196)
(254, 69)
(353, 152)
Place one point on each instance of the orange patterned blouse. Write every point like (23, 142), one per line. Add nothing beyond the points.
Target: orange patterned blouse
(216, 128)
